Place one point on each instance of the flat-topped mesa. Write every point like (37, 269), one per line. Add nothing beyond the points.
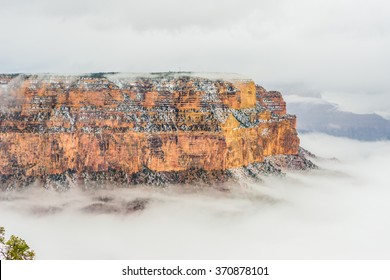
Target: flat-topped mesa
(134, 125)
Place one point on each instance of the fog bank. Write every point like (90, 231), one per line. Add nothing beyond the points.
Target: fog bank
(337, 212)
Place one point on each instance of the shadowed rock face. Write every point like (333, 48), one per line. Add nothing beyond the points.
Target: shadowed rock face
(130, 129)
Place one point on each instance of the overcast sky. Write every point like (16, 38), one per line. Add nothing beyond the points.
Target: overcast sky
(333, 46)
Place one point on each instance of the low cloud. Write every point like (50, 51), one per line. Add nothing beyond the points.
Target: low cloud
(11, 95)
(336, 212)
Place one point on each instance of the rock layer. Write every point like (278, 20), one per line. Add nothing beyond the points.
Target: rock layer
(126, 125)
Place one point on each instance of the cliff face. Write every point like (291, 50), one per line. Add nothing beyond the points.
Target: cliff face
(133, 127)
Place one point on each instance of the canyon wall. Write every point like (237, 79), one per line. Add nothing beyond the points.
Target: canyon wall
(126, 123)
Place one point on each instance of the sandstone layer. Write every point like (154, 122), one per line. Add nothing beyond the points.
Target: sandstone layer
(146, 128)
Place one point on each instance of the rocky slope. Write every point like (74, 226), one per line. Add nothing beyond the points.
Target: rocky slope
(126, 129)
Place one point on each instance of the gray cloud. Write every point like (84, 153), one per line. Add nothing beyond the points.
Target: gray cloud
(337, 212)
(336, 46)
(142, 15)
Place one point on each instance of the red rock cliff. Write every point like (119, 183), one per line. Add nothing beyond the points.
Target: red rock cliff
(125, 123)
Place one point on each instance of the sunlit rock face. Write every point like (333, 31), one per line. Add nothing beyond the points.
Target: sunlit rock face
(138, 128)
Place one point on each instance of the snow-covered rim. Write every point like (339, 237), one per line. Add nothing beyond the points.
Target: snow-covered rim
(205, 75)
(229, 77)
